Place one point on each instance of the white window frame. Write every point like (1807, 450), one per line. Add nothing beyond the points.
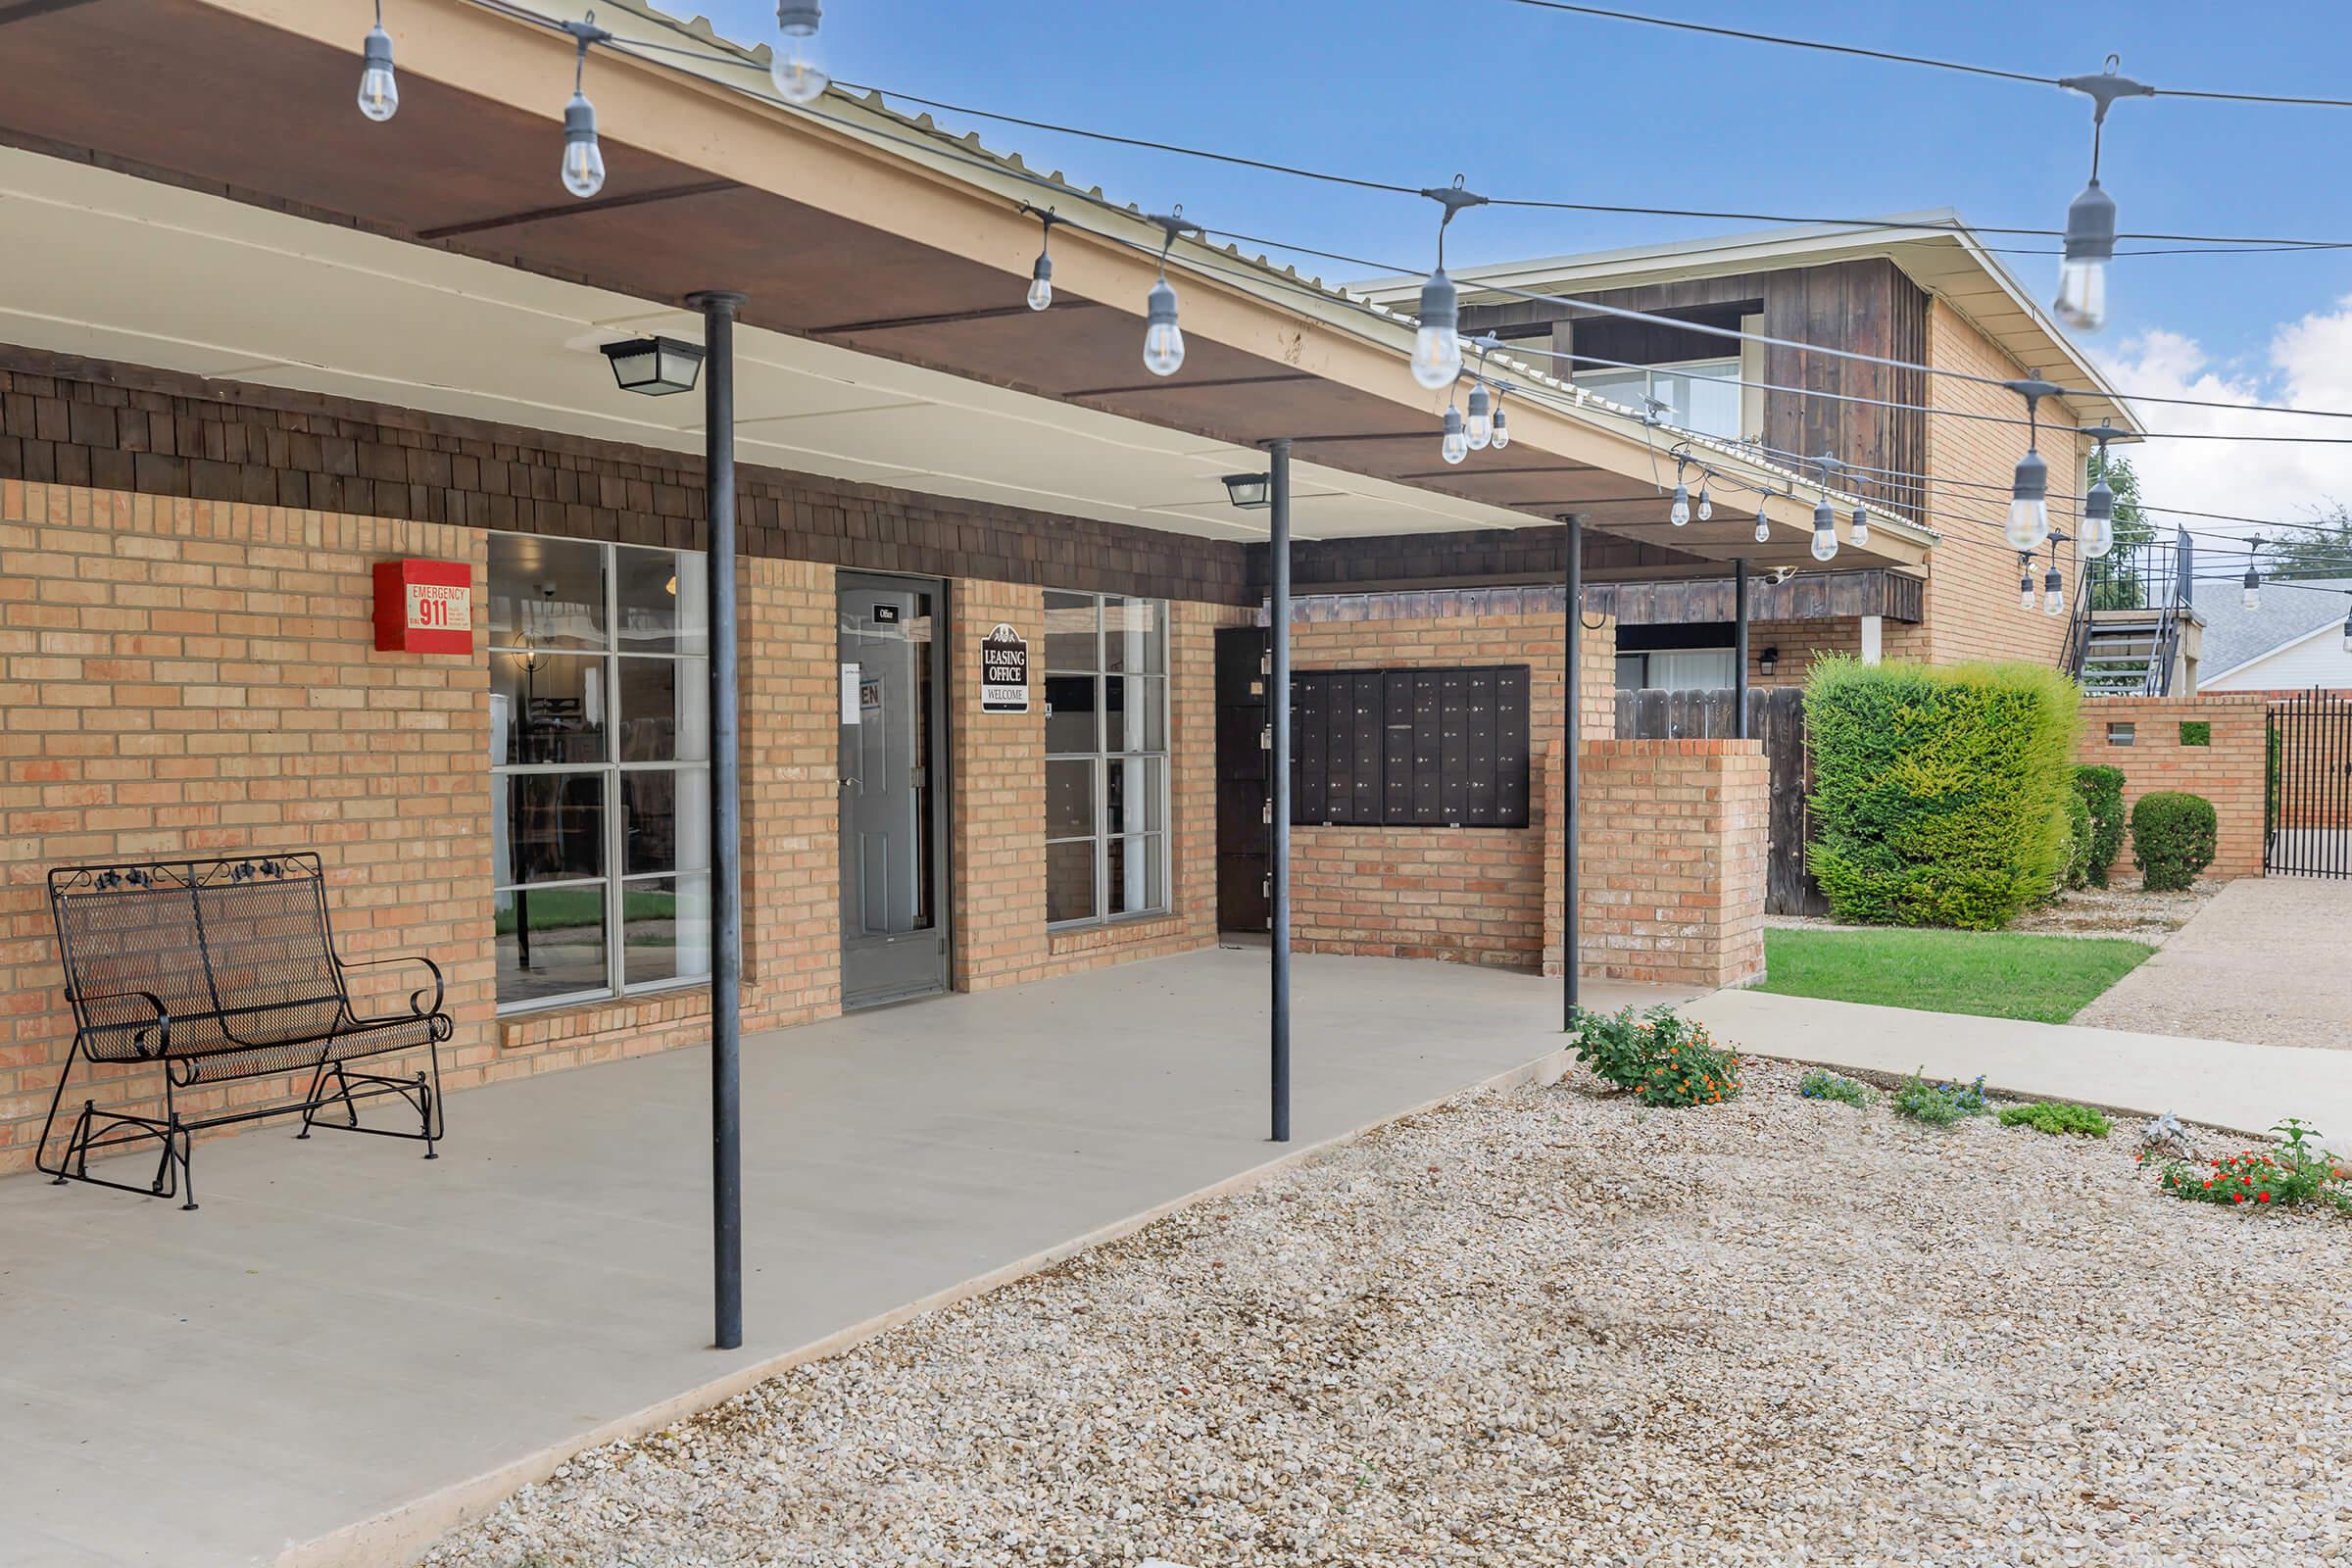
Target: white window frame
(1103, 757)
(616, 881)
(1726, 369)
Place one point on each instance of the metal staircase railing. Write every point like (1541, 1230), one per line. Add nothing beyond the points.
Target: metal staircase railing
(2153, 579)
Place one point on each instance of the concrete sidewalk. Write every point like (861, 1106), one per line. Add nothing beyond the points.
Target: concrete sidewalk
(2263, 962)
(2221, 1083)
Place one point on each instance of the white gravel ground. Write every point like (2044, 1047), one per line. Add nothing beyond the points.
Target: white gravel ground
(1547, 1327)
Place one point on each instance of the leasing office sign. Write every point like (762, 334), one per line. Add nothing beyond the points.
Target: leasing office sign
(1004, 671)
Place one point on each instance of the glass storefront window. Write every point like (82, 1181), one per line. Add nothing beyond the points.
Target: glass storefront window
(600, 742)
(1106, 763)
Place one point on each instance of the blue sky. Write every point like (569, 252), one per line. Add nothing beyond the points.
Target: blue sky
(1533, 103)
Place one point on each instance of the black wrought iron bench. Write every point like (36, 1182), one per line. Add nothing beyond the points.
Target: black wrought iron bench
(216, 971)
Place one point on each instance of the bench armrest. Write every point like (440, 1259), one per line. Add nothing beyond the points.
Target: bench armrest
(88, 1001)
(416, 998)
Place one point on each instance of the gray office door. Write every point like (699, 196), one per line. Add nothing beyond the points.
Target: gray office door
(894, 798)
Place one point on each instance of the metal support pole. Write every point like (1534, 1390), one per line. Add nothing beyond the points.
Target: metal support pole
(1278, 781)
(1571, 732)
(726, 823)
(1739, 648)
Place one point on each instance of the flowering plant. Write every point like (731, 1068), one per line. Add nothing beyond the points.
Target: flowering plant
(2296, 1172)
(1663, 1058)
(1940, 1105)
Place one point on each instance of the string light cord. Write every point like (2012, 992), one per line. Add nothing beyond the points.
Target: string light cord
(1825, 46)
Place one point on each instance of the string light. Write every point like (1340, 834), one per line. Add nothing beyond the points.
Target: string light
(1163, 339)
(1040, 275)
(583, 159)
(1859, 526)
(793, 65)
(2348, 633)
(1706, 501)
(1479, 428)
(1503, 428)
(1437, 341)
(2252, 597)
(2025, 580)
(1825, 530)
(1457, 445)
(1763, 527)
(2053, 587)
(2082, 302)
(1680, 512)
(379, 88)
(2098, 501)
(2027, 524)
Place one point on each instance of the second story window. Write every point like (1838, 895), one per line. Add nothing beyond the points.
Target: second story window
(1701, 394)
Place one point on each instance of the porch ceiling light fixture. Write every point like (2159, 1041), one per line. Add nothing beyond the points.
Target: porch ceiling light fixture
(2099, 502)
(1252, 492)
(379, 88)
(2027, 524)
(1457, 445)
(793, 64)
(1163, 339)
(1040, 275)
(583, 159)
(1437, 341)
(2081, 301)
(656, 366)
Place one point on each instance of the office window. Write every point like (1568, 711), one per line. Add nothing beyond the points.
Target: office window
(600, 750)
(1701, 394)
(1106, 757)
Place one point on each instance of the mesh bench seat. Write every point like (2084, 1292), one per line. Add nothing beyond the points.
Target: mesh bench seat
(217, 971)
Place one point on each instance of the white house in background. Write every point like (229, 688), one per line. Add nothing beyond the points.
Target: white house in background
(2291, 641)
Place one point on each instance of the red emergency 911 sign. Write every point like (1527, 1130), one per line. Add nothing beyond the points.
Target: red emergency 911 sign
(423, 607)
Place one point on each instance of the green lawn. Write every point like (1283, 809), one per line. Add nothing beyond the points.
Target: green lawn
(1996, 973)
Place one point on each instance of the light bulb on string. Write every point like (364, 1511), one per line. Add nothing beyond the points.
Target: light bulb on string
(1479, 427)
(379, 88)
(2027, 522)
(1858, 526)
(1437, 362)
(2097, 535)
(1041, 273)
(2025, 584)
(793, 62)
(1457, 444)
(1763, 527)
(1825, 530)
(2053, 588)
(1163, 339)
(1707, 502)
(2081, 301)
(2251, 596)
(583, 157)
(1680, 512)
(1503, 428)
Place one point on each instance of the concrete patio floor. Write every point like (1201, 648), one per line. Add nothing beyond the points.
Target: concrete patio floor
(344, 1331)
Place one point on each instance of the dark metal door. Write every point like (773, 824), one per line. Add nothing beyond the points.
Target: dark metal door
(1243, 858)
(894, 797)
(2307, 787)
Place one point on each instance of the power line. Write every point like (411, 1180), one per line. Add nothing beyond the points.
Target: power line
(1826, 47)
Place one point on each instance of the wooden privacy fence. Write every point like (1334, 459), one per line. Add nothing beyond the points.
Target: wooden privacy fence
(1776, 715)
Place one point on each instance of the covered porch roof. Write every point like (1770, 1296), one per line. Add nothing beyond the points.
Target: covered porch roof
(193, 188)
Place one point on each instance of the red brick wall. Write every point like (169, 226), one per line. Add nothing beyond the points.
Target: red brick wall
(1467, 895)
(2229, 772)
(1671, 862)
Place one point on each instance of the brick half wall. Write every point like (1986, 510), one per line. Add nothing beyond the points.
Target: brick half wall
(1670, 863)
(2227, 770)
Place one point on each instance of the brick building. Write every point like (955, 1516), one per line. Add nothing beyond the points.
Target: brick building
(253, 347)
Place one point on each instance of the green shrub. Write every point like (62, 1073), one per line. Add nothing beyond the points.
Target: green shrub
(2196, 732)
(1937, 792)
(1940, 1105)
(1663, 1058)
(2074, 874)
(1821, 1084)
(2172, 839)
(2103, 790)
(2056, 1116)
(2297, 1171)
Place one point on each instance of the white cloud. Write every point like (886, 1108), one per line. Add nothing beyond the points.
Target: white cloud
(2309, 366)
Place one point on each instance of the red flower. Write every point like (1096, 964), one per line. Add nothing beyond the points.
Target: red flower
(2238, 1198)
(2262, 1198)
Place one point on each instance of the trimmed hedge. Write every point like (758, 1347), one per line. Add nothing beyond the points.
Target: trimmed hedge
(1939, 792)
(2103, 790)
(2080, 834)
(2173, 838)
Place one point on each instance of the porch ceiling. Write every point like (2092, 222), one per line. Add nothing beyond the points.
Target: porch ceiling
(439, 264)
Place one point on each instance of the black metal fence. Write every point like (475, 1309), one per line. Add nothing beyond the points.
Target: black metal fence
(2307, 795)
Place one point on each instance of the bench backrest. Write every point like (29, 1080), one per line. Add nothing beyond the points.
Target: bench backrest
(237, 951)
